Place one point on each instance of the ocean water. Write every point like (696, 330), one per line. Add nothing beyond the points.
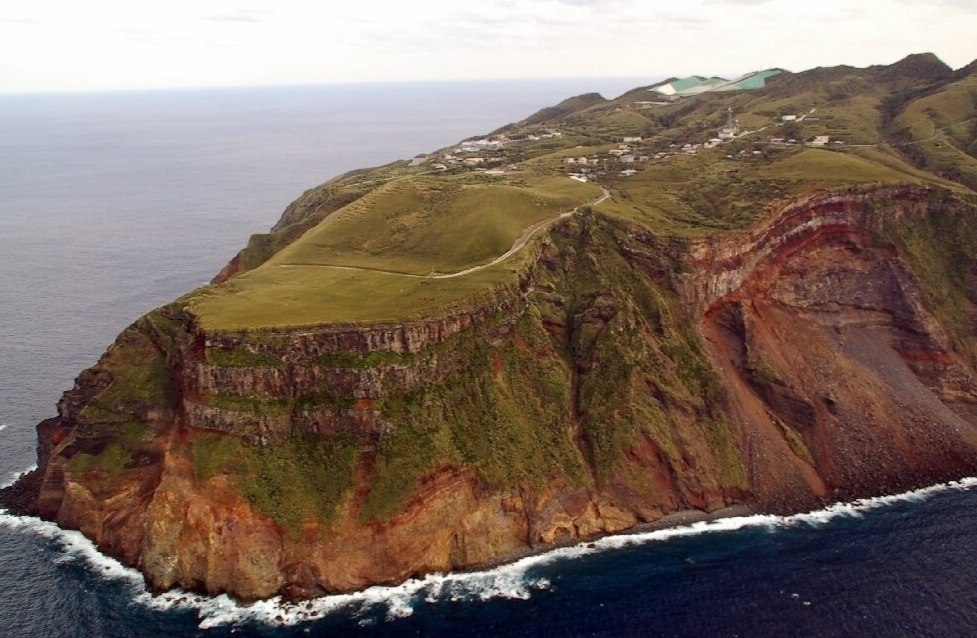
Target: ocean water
(111, 204)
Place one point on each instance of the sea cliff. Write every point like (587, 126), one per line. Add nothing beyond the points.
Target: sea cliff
(624, 378)
(368, 392)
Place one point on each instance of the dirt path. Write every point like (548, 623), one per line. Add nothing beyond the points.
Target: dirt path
(911, 143)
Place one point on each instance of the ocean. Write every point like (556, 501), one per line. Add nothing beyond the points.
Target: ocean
(114, 203)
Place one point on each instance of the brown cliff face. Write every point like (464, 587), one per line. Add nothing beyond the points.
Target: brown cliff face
(627, 377)
(822, 333)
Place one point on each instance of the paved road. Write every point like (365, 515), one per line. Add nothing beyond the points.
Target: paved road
(523, 239)
(518, 245)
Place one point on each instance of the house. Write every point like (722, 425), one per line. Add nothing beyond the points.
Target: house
(570, 160)
(788, 118)
(627, 159)
(628, 172)
(617, 152)
(821, 140)
(628, 140)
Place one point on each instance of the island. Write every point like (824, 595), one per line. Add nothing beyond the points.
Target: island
(704, 296)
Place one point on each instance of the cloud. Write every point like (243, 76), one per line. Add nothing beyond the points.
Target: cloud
(238, 16)
(683, 19)
(18, 21)
(966, 5)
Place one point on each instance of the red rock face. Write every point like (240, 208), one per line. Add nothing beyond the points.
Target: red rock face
(828, 338)
(833, 380)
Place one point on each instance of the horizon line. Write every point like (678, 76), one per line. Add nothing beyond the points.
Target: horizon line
(299, 85)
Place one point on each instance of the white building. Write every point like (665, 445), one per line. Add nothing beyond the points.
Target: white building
(821, 140)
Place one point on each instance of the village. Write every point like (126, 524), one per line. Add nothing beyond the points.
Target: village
(493, 155)
(634, 150)
(484, 155)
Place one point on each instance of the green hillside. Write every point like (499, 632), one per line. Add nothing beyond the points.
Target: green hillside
(370, 246)
(373, 260)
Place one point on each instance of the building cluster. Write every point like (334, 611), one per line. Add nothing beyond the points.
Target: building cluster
(634, 150)
(629, 151)
(485, 155)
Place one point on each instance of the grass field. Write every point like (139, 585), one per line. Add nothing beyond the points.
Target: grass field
(701, 195)
(367, 262)
(307, 295)
(419, 226)
(815, 168)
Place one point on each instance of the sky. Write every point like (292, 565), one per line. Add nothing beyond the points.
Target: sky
(79, 45)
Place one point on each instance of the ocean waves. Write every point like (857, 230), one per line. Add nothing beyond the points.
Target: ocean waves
(517, 580)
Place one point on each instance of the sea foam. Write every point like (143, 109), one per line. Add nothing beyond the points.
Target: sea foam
(513, 580)
(15, 476)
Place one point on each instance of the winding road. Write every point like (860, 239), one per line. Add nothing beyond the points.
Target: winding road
(523, 239)
(518, 245)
